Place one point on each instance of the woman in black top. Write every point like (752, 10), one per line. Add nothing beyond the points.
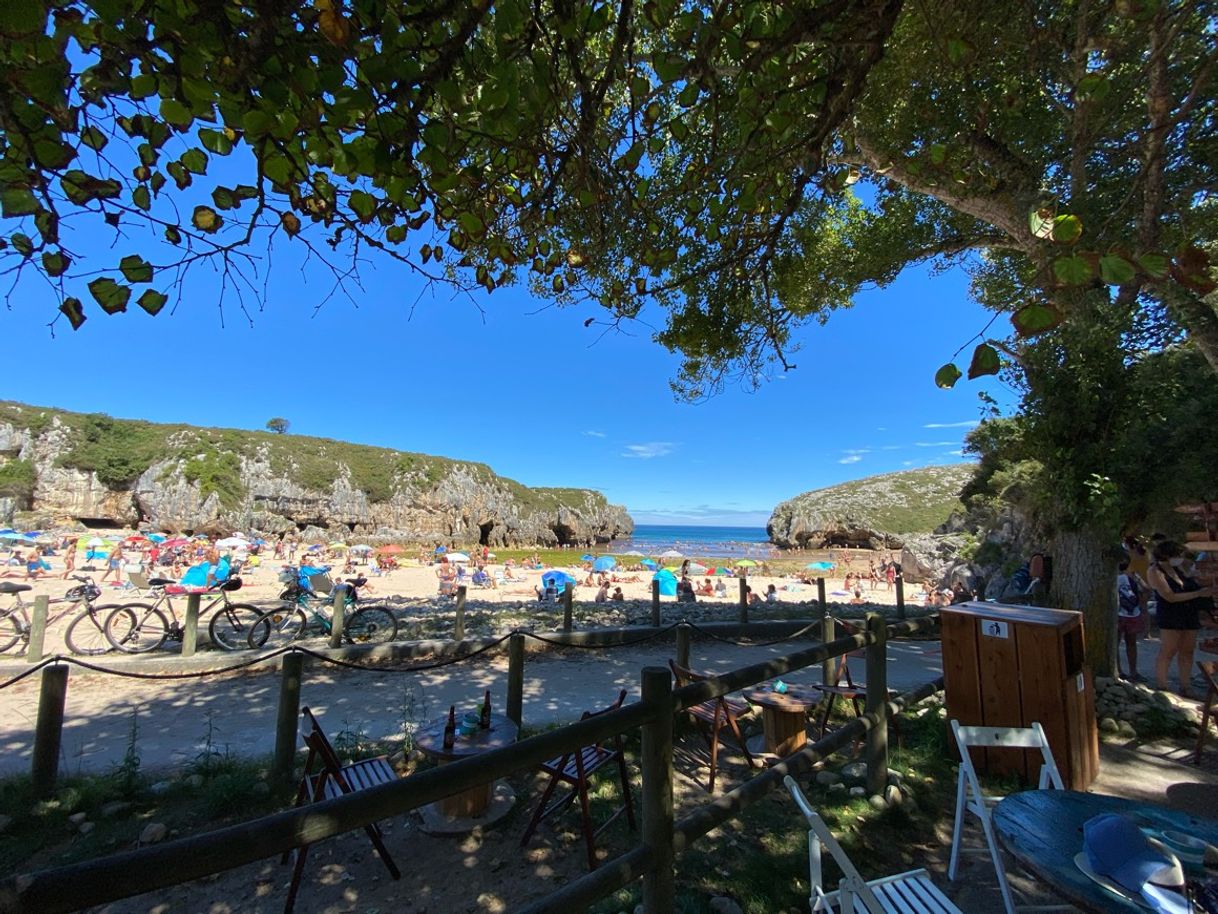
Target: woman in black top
(1181, 602)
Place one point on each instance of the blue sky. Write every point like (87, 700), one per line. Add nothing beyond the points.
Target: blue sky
(521, 385)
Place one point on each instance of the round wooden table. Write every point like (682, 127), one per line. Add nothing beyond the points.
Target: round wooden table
(1043, 830)
(784, 716)
(430, 741)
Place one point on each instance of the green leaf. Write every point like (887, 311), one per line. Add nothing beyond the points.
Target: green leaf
(93, 138)
(21, 244)
(181, 177)
(205, 219)
(938, 153)
(256, 123)
(110, 295)
(1073, 270)
(1067, 229)
(216, 141)
(74, 311)
(1094, 87)
(1155, 264)
(959, 51)
(47, 224)
(1035, 318)
(947, 376)
(668, 67)
(223, 198)
(55, 263)
(172, 235)
(174, 112)
(1040, 222)
(195, 160)
(985, 361)
(291, 225)
(17, 201)
(395, 234)
(152, 301)
(278, 169)
(135, 268)
(471, 224)
(362, 204)
(1116, 270)
(141, 198)
(689, 95)
(143, 86)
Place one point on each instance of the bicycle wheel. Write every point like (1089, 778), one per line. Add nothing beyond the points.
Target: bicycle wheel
(136, 628)
(279, 626)
(230, 627)
(10, 630)
(370, 625)
(87, 632)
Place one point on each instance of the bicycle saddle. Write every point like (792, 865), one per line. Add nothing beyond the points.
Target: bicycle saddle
(10, 587)
(160, 582)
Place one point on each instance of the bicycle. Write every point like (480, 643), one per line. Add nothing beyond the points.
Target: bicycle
(85, 634)
(291, 620)
(137, 628)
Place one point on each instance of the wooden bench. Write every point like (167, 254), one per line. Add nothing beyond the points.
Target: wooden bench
(334, 779)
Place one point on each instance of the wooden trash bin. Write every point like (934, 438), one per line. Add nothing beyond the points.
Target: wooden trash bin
(1008, 666)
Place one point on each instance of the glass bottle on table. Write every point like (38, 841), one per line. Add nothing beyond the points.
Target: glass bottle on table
(450, 729)
(485, 721)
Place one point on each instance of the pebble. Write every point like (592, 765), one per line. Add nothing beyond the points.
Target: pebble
(826, 778)
(877, 802)
(854, 771)
(86, 827)
(153, 832)
(194, 781)
(858, 791)
(114, 808)
(77, 817)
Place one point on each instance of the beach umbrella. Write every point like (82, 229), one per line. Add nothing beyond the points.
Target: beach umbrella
(156, 537)
(586, 557)
(458, 557)
(13, 536)
(391, 549)
(671, 554)
(441, 549)
(362, 547)
(821, 566)
(175, 542)
(95, 541)
(632, 552)
(746, 563)
(604, 563)
(668, 582)
(338, 545)
(316, 547)
(558, 578)
(232, 542)
(648, 563)
(697, 568)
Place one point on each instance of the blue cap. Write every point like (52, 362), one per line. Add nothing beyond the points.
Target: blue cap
(1118, 849)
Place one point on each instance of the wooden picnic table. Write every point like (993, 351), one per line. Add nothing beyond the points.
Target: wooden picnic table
(1043, 830)
(430, 740)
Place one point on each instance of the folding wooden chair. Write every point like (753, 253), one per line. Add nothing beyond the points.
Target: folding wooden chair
(1208, 670)
(574, 769)
(970, 798)
(334, 779)
(714, 714)
(906, 893)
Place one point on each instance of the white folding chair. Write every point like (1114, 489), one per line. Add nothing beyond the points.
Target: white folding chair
(971, 798)
(906, 893)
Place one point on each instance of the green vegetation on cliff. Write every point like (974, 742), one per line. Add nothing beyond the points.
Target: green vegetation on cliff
(17, 479)
(120, 450)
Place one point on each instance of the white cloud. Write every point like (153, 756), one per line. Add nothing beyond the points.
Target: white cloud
(592, 434)
(953, 453)
(891, 447)
(653, 449)
(971, 423)
(933, 443)
(907, 463)
(852, 458)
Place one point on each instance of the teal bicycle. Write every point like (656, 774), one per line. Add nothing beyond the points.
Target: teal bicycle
(305, 611)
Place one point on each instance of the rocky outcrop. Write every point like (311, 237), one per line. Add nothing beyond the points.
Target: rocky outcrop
(223, 480)
(878, 512)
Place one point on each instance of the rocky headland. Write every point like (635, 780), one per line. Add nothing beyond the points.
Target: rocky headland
(59, 468)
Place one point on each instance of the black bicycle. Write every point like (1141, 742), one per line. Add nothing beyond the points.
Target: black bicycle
(85, 634)
(136, 628)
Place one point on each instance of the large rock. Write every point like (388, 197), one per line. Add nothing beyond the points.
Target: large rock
(878, 512)
(219, 480)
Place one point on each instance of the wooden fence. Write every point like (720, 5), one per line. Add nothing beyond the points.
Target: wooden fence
(106, 879)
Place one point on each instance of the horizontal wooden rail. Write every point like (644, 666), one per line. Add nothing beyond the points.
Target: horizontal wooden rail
(608, 877)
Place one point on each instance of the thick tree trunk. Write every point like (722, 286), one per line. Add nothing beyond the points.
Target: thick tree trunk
(1084, 579)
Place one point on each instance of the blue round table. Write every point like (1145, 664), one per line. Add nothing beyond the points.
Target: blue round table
(1043, 830)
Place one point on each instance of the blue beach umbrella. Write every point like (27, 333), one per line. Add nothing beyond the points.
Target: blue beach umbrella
(586, 557)
(604, 563)
(668, 582)
(648, 563)
(820, 566)
(558, 578)
(156, 537)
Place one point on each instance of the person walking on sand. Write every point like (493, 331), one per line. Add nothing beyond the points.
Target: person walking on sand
(69, 557)
(114, 564)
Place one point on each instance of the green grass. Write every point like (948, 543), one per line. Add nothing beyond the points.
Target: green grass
(17, 478)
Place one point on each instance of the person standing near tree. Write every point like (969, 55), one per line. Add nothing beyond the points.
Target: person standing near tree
(1181, 601)
(1132, 596)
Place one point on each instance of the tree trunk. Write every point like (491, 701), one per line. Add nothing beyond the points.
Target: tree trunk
(1084, 579)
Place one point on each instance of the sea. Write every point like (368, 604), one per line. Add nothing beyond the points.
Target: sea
(711, 542)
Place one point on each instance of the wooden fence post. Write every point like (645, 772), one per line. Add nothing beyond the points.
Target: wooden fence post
(900, 596)
(568, 594)
(286, 726)
(828, 632)
(820, 594)
(659, 884)
(744, 599)
(876, 750)
(683, 631)
(38, 628)
(515, 683)
(339, 602)
(48, 731)
(655, 603)
(459, 624)
(190, 625)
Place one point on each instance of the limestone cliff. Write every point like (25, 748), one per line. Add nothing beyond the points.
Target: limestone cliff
(878, 512)
(59, 467)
